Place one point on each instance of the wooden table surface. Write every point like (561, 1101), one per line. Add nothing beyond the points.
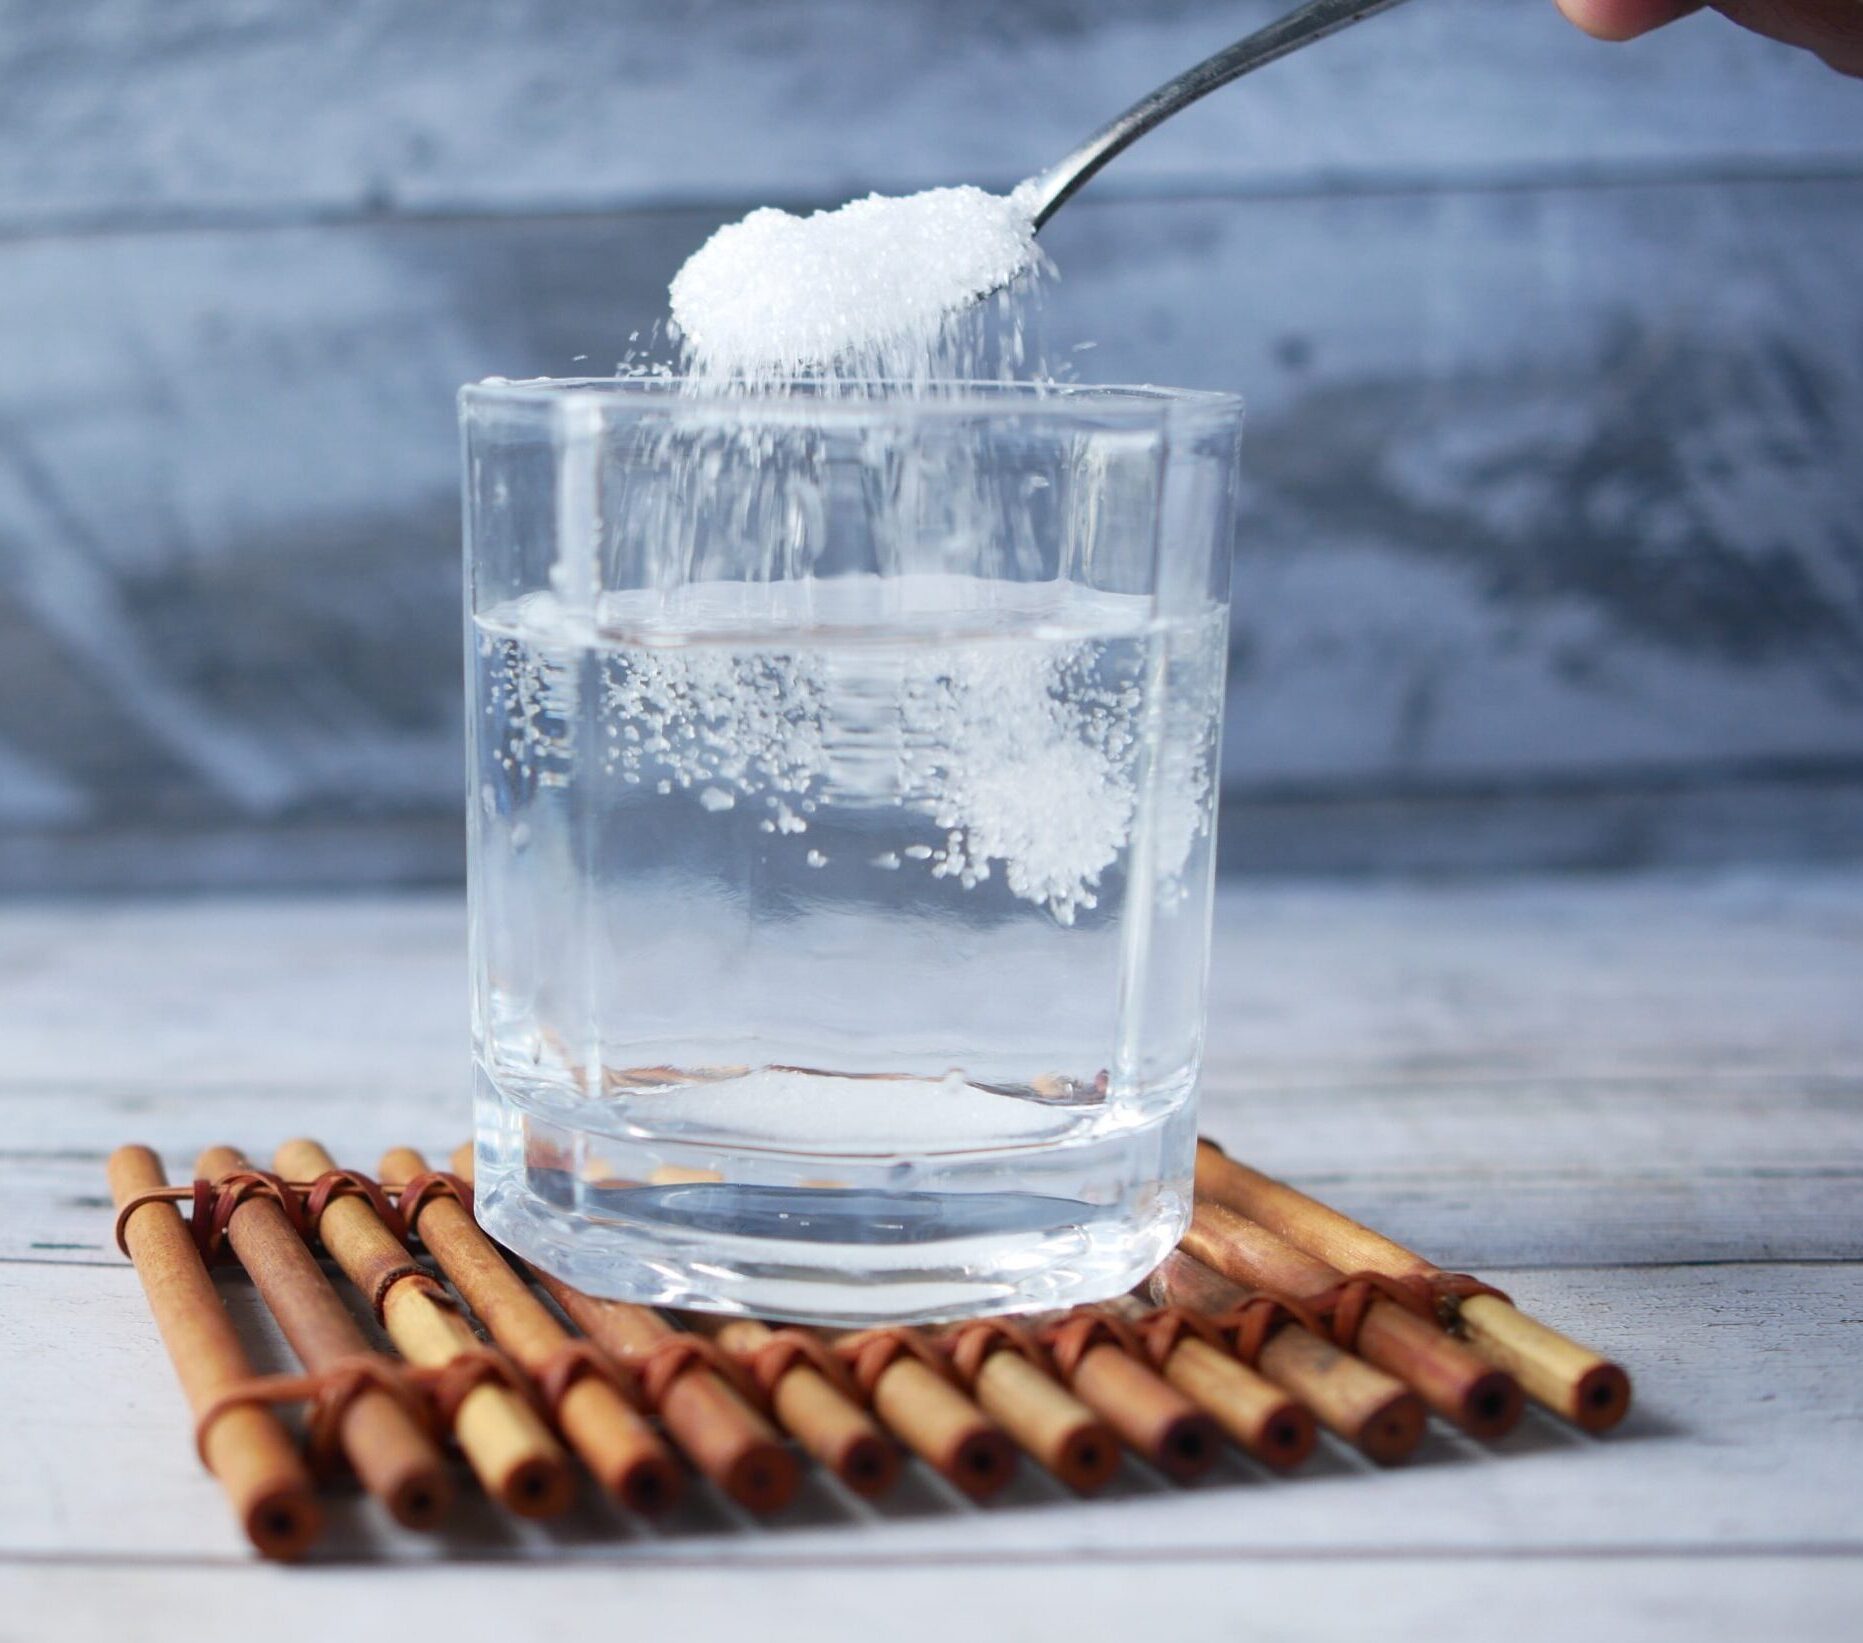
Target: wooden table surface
(1637, 1104)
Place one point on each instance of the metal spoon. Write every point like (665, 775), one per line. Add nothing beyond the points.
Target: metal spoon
(1300, 27)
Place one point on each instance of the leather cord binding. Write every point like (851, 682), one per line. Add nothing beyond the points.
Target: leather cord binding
(431, 1397)
(1162, 1328)
(666, 1360)
(348, 1183)
(328, 1394)
(448, 1385)
(786, 1349)
(577, 1360)
(971, 1343)
(869, 1353)
(1070, 1338)
(1342, 1308)
(213, 1204)
(414, 1192)
(1250, 1324)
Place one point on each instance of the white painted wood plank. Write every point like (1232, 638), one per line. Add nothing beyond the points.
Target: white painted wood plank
(374, 105)
(1555, 1069)
(1656, 1600)
(1639, 1070)
(1748, 1438)
(1477, 1176)
(1551, 978)
(1463, 482)
(1542, 979)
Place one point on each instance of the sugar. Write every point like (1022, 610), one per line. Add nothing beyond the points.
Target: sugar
(869, 289)
(1010, 724)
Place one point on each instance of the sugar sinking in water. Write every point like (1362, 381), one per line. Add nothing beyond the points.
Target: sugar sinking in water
(1009, 748)
(919, 792)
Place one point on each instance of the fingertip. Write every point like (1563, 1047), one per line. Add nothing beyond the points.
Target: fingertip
(1625, 19)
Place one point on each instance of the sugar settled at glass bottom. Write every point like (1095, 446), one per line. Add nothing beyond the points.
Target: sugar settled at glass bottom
(839, 945)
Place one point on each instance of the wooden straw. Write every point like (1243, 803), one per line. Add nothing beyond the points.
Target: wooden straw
(937, 1422)
(1483, 1400)
(1155, 1419)
(507, 1445)
(824, 1420)
(723, 1436)
(1368, 1408)
(1047, 1420)
(1569, 1379)
(720, 1433)
(246, 1446)
(1261, 1418)
(617, 1445)
(396, 1461)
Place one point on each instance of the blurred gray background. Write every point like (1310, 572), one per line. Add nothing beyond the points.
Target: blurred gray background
(1552, 545)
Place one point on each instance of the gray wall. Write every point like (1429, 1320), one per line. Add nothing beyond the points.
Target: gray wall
(1552, 549)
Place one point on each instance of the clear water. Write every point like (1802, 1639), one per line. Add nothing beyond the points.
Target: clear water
(840, 943)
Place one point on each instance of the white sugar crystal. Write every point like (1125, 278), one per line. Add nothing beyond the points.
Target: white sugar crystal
(872, 285)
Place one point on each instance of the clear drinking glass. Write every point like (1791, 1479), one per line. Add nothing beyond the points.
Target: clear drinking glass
(843, 783)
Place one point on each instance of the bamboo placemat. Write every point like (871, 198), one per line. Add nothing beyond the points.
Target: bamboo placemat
(1276, 1318)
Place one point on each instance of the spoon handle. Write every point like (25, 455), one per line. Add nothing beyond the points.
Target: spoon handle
(1300, 27)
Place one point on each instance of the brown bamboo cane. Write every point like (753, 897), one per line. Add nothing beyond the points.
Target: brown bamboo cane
(1260, 1416)
(1483, 1400)
(827, 1423)
(1569, 1379)
(1047, 1420)
(1152, 1417)
(937, 1422)
(510, 1450)
(1371, 1410)
(616, 1443)
(246, 1446)
(393, 1457)
(719, 1432)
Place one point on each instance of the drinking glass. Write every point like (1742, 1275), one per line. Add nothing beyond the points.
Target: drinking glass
(843, 777)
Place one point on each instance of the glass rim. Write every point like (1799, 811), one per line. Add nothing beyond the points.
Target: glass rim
(1141, 402)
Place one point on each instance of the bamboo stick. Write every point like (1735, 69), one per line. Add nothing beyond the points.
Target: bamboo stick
(721, 1434)
(508, 1447)
(1153, 1418)
(823, 1419)
(1373, 1411)
(1047, 1420)
(1483, 1400)
(610, 1436)
(246, 1447)
(1569, 1379)
(396, 1461)
(936, 1421)
(1261, 1417)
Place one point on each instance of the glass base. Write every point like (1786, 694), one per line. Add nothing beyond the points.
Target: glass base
(832, 1238)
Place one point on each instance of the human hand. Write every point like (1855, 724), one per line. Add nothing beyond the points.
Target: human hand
(1831, 28)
